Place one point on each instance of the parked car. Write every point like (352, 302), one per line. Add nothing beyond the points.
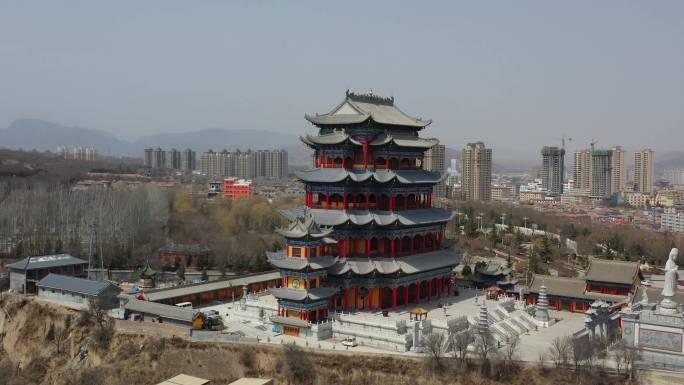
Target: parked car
(350, 342)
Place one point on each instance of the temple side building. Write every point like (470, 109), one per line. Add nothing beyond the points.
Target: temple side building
(368, 237)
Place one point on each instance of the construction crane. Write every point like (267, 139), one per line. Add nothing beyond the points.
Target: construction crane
(562, 139)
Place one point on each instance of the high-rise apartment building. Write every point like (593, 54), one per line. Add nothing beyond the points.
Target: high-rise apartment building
(149, 154)
(63, 152)
(158, 158)
(675, 176)
(90, 154)
(618, 176)
(476, 172)
(553, 169)
(434, 160)
(644, 170)
(173, 159)
(581, 171)
(245, 165)
(188, 160)
(601, 174)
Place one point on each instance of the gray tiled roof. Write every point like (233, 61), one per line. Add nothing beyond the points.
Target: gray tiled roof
(282, 261)
(160, 309)
(604, 270)
(399, 139)
(332, 175)
(302, 226)
(410, 264)
(381, 218)
(302, 294)
(570, 287)
(179, 291)
(359, 108)
(73, 284)
(46, 261)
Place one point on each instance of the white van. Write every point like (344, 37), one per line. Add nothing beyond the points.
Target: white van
(184, 304)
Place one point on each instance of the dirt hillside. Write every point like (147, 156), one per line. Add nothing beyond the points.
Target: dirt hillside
(30, 355)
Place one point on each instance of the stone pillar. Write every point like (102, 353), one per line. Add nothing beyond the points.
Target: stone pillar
(483, 318)
(542, 313)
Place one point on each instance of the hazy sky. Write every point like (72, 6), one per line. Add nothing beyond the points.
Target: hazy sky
(514, 74)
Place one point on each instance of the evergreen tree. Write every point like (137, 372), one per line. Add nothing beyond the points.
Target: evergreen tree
(181, 272)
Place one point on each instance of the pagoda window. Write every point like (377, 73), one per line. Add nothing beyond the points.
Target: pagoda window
(380, 162)
(405, 245)
(339, 163)
(296, 252)
(412, 202)
(401, 202)
(405, 163)
(383, 202)
(360, 201)
(374, 245)
(372, 201)
(417, 242)
(393, 163)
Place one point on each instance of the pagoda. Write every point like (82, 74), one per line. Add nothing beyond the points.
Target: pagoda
(368, 233)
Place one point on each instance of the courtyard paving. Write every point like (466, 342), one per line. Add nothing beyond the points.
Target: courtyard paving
(467, 303)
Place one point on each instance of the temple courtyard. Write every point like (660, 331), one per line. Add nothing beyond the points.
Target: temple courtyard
(250, 318)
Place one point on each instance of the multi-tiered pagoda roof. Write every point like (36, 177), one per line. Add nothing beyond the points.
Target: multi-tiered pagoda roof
(368, 236)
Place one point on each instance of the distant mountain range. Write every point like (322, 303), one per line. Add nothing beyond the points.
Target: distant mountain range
(29, 134)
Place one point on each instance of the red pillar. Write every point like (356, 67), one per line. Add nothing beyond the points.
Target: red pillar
(365, 153)
(430, 290)
(327, 201)
(345, 201)
(356, 298)
(392, 242)
(380, 298)
(368, 248)
(370, 299)
(417, 293)
(391, 202)
(394, 298)
(367, 201)
(429, 200)
(401, 247)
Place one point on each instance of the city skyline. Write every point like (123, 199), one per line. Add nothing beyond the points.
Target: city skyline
(493, 73)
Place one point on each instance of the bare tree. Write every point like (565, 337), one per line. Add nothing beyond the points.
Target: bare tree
(510, 351)
(460, 342)
(57, 335)
(434, 345)
(560, 350)
(485, 346)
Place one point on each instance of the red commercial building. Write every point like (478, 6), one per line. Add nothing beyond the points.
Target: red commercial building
(234, 188)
